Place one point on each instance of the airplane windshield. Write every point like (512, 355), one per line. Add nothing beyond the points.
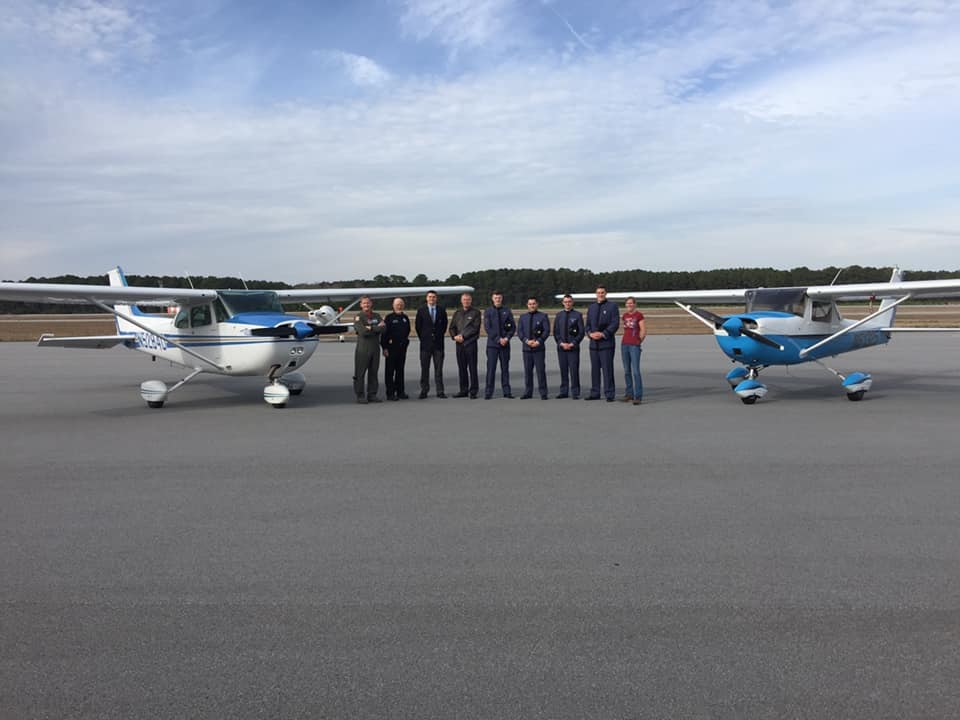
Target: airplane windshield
(785, 300)
(246, 301)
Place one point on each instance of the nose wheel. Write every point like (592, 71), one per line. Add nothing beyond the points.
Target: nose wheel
(746, 385)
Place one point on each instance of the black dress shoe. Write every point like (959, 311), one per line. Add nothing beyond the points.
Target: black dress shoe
(362, 400)
(460, 395)
(488, 397)
(561, 396)
(374, 400)
(473, 397)
(610, 399)
(403, 396)
(508, 396)
(591, 397)
(544, 397)
(441, 395)
(422, 396)
(393, 398)
(526, 397)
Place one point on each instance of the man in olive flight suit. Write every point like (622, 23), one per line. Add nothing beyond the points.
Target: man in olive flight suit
(368, 326)
(465, 331)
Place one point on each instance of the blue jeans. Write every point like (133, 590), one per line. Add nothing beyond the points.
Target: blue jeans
(631, 370)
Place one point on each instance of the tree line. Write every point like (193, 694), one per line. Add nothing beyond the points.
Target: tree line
(517, 284)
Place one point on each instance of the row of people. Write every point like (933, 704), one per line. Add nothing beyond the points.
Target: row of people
(390, 337)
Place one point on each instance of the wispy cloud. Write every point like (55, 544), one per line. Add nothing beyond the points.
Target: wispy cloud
(458, 23)
(360, 69)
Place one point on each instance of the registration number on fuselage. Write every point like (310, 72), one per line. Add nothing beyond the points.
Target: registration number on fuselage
(148, 341)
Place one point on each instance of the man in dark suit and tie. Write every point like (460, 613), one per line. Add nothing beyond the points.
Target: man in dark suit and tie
(431, 326)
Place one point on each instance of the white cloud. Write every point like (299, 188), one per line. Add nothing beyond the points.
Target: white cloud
(96, 31)
(360, 69)
(458, 23)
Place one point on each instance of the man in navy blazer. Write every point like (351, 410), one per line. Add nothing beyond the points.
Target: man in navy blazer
(603, 320)
(431, 327)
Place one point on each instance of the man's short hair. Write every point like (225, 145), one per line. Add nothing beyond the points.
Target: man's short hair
(496, 292)
(365, 297)
(568, 295)
(601, 287)
(534, 298)
(431, 292)
(631, 298)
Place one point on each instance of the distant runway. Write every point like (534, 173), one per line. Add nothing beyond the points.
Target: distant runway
(690, 557)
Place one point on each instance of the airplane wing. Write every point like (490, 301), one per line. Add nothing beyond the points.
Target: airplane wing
(93, 342)
(913, 288)
(107, 294)
(702, 297)
(320, 295)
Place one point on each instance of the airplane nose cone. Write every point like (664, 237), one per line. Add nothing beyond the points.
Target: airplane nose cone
(733, 326)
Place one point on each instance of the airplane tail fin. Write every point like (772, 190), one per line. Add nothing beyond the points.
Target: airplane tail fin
(118, 279)
(886, 319)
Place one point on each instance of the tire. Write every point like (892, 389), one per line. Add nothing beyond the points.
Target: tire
(749, 400)
(855, 396)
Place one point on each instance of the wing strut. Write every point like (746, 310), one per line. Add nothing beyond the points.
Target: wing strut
(858, 323)
(148, 329)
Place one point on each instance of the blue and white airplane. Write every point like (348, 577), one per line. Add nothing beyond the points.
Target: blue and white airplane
(788, 326)
(226, 332)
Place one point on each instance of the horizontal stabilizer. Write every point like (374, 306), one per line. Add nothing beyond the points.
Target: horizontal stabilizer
(93, 342)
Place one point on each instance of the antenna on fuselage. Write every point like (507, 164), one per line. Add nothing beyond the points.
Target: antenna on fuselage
(836, 277)
(187, 275)
(243, 281)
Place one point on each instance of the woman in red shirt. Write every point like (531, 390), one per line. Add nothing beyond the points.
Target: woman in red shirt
(634, 332)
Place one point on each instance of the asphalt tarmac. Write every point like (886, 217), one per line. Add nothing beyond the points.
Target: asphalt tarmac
(688, 558)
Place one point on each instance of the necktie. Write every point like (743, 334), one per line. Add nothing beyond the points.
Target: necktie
(433, 314)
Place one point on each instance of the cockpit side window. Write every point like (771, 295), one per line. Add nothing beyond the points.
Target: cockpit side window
(821, 311)
(182, 320)
(200, 316)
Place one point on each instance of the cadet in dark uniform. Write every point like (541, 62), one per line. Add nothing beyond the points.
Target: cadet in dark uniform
(431, 327)
(603, 320)
(394, 341)
(465, 331)
(368, 327)
(568, 332)
(533, 331)
(500, 328)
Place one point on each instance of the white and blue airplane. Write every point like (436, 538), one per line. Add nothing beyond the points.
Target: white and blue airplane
(789, 326)
(226, 332)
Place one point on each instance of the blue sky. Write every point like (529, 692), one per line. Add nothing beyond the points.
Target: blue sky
(342, 139)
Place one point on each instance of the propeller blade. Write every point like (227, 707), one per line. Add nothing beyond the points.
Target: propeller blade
(717, 320)
(281, 331)
(763, 339)
(299, 330)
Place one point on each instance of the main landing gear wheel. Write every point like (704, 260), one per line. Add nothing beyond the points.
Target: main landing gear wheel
(294, 382)
(749, 400)
(855, 396)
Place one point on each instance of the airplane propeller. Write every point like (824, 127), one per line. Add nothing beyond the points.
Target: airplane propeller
(299, 330)
(735, 326)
